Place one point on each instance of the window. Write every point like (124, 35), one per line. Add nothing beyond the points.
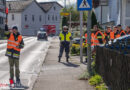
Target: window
(56, 18)
(54, 8)
(12, 17)
(25, 17)
(52, 17)
(48, 17)
(1, 20)
(40, 18)
(33, 18)
(9, 6)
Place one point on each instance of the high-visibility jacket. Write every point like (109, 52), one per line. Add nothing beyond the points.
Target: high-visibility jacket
(117, 34)
(122, 33)
(65, 37)
(107, 36)
(97, 37)
(92, 39)
(13, 49)
(112, 35)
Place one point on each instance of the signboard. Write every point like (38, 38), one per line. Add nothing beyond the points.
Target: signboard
(103, 2)
(83, 5)
(64, 14)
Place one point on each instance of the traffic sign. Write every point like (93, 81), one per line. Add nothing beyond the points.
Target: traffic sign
(84, 5)
(64, 14)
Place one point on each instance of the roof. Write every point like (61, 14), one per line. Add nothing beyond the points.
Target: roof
(46, 6)
(18, 6)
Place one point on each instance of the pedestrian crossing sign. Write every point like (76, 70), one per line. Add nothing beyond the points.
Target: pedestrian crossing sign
(84, 5)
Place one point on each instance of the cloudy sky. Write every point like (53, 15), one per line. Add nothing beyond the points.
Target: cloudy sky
(60, 1)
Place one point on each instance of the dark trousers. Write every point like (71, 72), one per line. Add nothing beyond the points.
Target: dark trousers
(14, 62)
(66, 47)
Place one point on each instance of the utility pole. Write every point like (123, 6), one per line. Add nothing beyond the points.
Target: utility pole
(81, 34)
(89, 42)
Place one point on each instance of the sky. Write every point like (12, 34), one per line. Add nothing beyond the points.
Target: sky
(60, 1)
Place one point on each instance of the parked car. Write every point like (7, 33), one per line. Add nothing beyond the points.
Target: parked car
(121, 44)
(41, 34)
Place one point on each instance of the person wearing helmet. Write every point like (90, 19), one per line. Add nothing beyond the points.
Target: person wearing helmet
(65, 38)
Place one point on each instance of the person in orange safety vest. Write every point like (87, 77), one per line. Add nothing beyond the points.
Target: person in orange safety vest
(98, 36)
(14, 45)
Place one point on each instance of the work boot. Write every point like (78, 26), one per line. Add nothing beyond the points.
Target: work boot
(67, 59)
(18, 82)
(11, 83)
(59, 59)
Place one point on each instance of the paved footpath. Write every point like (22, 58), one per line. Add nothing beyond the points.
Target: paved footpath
(61, 76)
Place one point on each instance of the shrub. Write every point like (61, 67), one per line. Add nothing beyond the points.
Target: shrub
(95, 80)
(101, 87)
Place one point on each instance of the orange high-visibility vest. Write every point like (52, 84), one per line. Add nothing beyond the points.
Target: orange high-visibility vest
(96, 42)
(92, 39)
(86, 37)
(12, 44)
(112, 37)
(122, 31)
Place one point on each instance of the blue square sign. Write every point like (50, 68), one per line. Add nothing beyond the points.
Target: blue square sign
(83, 5)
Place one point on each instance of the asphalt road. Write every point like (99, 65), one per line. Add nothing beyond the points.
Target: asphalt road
(31, 59)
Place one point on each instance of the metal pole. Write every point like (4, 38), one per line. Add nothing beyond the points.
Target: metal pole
(101, 15)
(81, 34)
(89, 42)
(70, 22)
(65, 3)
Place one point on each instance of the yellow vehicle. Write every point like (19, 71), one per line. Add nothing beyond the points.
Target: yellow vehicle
(76, 42)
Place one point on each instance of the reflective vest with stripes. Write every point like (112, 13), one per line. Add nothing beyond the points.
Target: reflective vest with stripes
(96, 42)
(92, 39)
(13, 49)
(112, 35)
(65, 38)
(122, 32)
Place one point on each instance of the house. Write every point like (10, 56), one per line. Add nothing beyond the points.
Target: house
(27, 15)
(114, 13)
(30, 15)
(52, 16)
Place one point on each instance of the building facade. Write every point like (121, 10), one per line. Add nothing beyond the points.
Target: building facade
(53, 17)
(114, 13)
(28, 16)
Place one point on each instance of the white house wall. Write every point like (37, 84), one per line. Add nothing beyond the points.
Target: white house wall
(104, 14)
(52, 12)
(15, 22)
(33, 27)
(127, 14)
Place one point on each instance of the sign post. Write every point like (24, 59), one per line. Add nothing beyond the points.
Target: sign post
(81, 34)
(86, 5)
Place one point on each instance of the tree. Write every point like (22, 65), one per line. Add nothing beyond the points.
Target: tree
(94, 20)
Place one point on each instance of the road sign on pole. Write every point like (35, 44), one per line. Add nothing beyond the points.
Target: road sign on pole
(84, 5)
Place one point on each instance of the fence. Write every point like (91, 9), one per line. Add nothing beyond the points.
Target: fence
(114, 67)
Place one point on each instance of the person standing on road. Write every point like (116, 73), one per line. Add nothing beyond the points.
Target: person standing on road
(14, 45)
(65, 38)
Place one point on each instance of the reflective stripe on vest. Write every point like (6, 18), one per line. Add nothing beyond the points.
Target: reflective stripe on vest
(12, 44)
(68, 35)
(96, 42)
(122, 31)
